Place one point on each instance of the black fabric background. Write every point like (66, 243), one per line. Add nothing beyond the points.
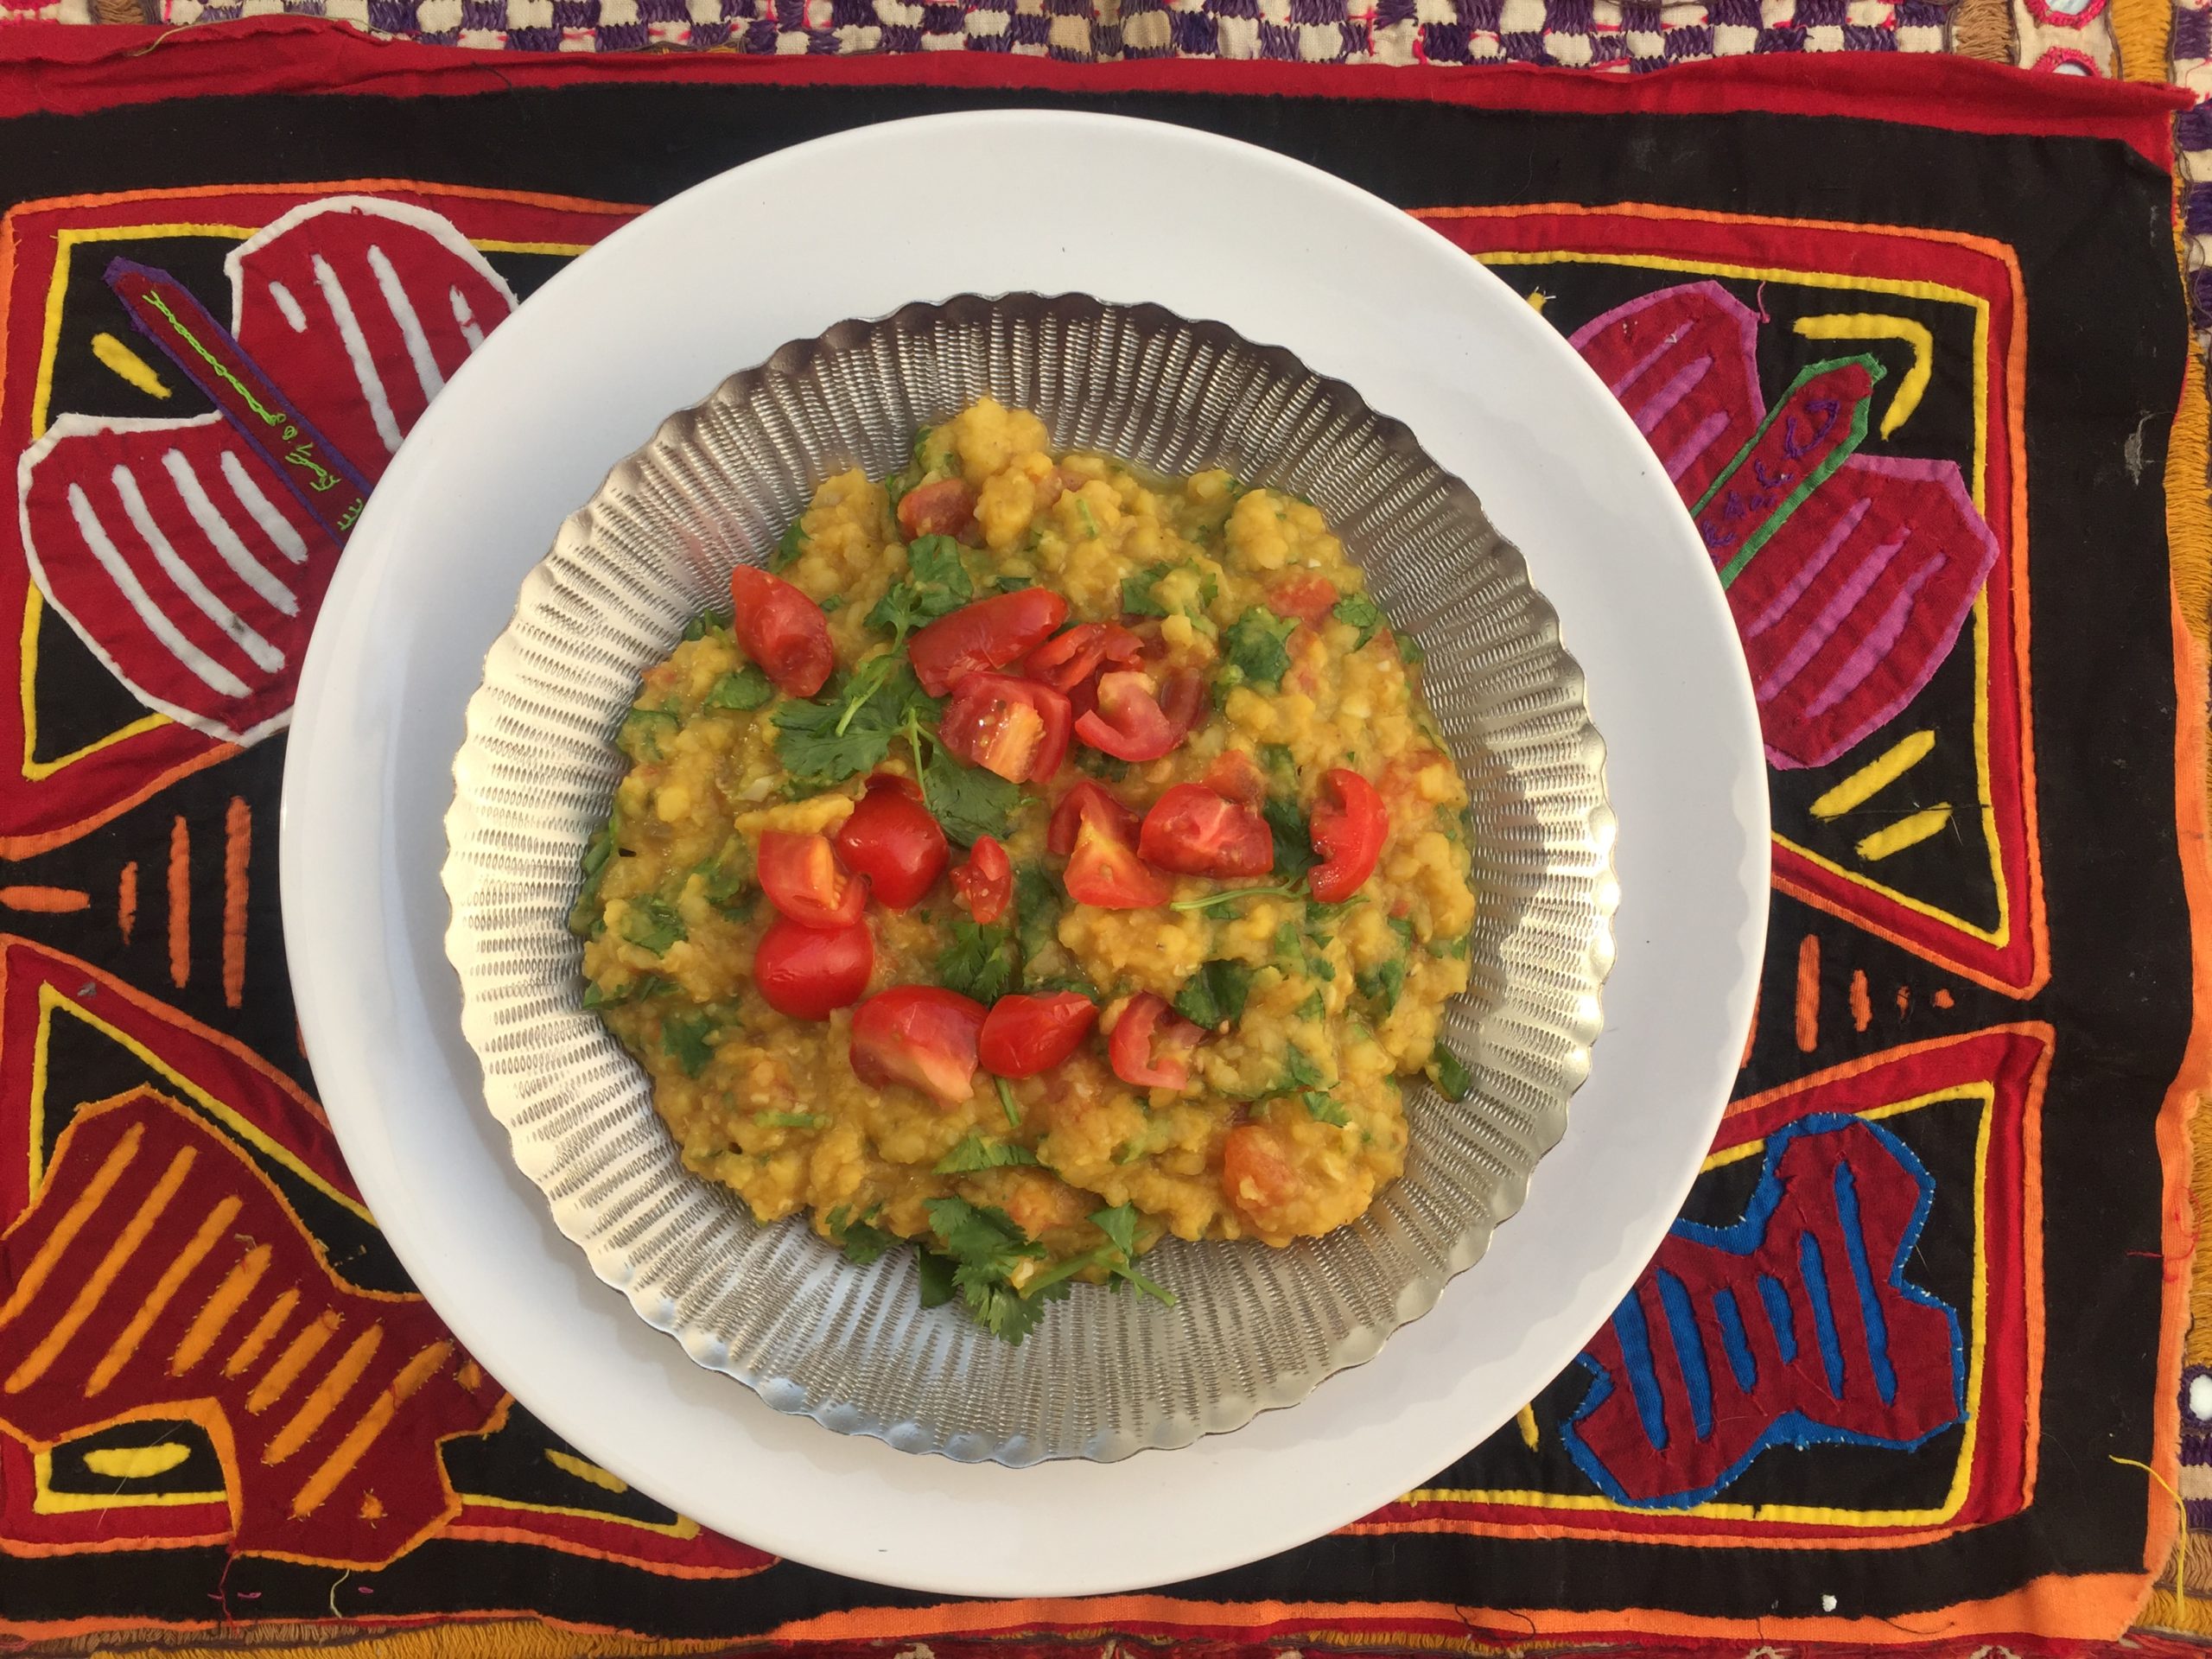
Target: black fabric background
(2089, 221)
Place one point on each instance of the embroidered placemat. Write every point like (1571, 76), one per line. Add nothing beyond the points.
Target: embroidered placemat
(1949, 292)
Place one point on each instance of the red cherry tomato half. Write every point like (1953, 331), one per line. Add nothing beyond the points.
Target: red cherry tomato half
(990, 633)
(944, 508)
(1024, 1035)
(800, 875)
(782, 630)
(1307, 598)
(1256, 1169)
(985, 882)
(1128, 723)
(1104, 870)
(1151, 1046)
(1016, 728)
(1236, 774)
(892, 840)
(1193, 832)
(1348, 826)
(1089, 800)
(808, 972)
(920, 1035)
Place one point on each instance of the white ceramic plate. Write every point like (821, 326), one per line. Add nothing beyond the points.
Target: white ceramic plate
(578, 378)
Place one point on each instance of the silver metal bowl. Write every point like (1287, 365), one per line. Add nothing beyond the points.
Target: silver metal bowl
(1103, 1376)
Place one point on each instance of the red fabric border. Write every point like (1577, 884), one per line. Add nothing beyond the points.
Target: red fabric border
(59, 68)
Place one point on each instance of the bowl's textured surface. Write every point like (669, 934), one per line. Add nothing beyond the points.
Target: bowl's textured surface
(1103, 1376)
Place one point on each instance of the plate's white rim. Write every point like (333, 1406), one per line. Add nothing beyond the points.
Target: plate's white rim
(316, 800)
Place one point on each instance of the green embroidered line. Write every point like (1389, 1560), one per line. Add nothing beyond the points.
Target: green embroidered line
(212, 362)
(1812, 480)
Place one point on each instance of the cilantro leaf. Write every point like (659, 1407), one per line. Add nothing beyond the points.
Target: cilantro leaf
(585, 920)
(1141, 596)
(708, 622)
(727, 879)
(790, 546)
(1215, 996)
(980, 962)
(936, 1271)
(1456, 950)
(790, 1119)
(1299, 1070)
(1294, 838)
(1256, 646)
(1006, 1314)
(1358, 611)
(1036, 906)
(984, 1246)
(689, 1040)
(642, 988)
(740, 690)
(653, 924)
(861, 1242)
(1449, 1074)
(974, 1153)
(936, 583)
(849, 730)
(1382, 986)
(642, 729)
(1322, 1109)
(1409, 652)
(968, 802)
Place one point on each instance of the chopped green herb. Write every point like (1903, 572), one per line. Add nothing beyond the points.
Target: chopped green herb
(974, 1153)
(790, 546)
(791, 1120)
(653, 924)
(936, 1270)
(861, 1242)
(1012, 584)
(708, 622)
(1082, 511)
(1449, 1074)
(985, 1246)
(1105, 767)
(1456, 950)
(1313, 1007)
(1256, 646)
(1322, 1109)
(645, 986)
(689, 1040)
(1320, 915)
(1294, 838)
(1280, 761)
(585, 920)
(1215, 996)
(1358, 611)
(1299, 1069)
(1381, 986)
(937, 582)
(849, 729)
(740, 690)
(968, 802)
(1007, 1103)
(1038, 901)
(1409, 652)
(1116, 1256)
(1140, 597)
(642, 729)
(832, 605)
(1290, 942)
(980, 962)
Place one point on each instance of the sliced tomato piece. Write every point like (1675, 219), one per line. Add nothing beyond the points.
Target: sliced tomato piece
(782, 630)
(892, 839)
(1193, 832)
(1256, 1169)
(1308, 598)
(1025, 1034)
(921, 1035)
(1017, 729)
(1151, 1044)
(1089, 800)
(944, 508)
(1128, 722)
(800, 875)
(985, 882)
(809, 972)
(1237, 775)
(1104, 870)
(1349, 824)
(1066, 660)
(990, 633)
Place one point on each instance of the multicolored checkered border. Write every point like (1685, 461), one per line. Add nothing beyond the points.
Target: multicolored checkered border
(1600, 34)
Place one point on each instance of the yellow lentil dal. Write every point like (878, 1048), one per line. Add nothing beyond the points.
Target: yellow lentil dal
(1341, 1002)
